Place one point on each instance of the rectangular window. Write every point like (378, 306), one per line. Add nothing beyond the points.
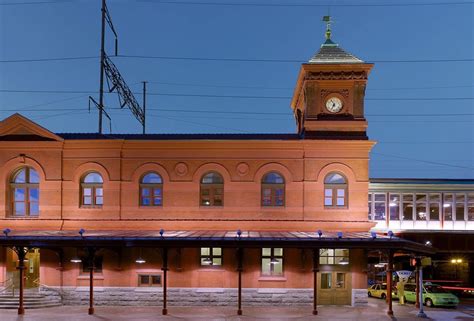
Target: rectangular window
(211, 256)
(380, 206)
(460, 198)
(394, 205)
(149, 280)
(435, 200)
(407, 207)
(448, 207)
(470, 207)
(334, 256)
(340, 280)
(328, 197)
(272, 261)
(421, 207)
(326, 281)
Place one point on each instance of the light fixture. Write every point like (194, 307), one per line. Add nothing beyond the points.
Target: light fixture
(207, 261)
(390, 233)
(458, 261)
(76, 258)
(274, 261)
(339, 235)
(428, 243)
(374, 235)
(344, 261)
(320, 233)
(140, 260)
(446, 205)
(392, 204)
(453, 261)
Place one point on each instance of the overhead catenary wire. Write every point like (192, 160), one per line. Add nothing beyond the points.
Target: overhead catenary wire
(228, 96)
(258, 4)
(225, 59)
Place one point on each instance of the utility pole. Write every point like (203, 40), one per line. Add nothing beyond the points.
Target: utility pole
(144, 106)
(102, 58)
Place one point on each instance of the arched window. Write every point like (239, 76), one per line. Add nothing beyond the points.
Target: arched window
(273, 190)
(151, 190)
(24, 186)
(92, 192)
(212, 190)
(335, 190)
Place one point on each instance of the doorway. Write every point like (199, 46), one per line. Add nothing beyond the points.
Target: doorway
(334, 288)
(31, 271)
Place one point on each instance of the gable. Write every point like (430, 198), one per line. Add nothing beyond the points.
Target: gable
(19, 128)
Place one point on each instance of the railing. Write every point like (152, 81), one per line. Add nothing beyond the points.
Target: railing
(8, 285)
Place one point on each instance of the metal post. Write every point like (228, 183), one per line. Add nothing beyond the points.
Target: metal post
(21, 252)
(315, 280)
(164, 269)
(421, 313)
(239, 269)
(389, 282)
(144, 107)
(417, 281)
(91, 280)
(102, 58)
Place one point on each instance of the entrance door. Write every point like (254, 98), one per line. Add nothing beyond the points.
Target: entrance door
(31, 271)
(334, 288)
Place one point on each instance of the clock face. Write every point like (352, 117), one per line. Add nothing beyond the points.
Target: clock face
(334, 105)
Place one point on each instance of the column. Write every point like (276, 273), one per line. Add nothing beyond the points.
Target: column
(165, 270)
(91, 255)
(21, 253)
(389, 282)
(315, 280)
(239, 270)
(417, 278)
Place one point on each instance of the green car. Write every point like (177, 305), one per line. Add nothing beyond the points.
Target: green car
(433, 295)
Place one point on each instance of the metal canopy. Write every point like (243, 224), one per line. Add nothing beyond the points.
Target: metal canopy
(202, 238)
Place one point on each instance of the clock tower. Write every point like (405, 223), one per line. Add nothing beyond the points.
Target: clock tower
(328, 101)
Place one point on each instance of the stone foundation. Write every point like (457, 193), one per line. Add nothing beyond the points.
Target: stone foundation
(138, 296)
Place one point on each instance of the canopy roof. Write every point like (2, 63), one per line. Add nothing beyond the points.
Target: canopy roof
(201, 238)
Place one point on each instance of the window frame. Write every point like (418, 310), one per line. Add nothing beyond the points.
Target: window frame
(273, 187)
(272, 266)
(334, 187)
(152, 187)
(93, 187)
(334, 256)
(27, 186)
(211, 256)
(150, 283)
(212, 187)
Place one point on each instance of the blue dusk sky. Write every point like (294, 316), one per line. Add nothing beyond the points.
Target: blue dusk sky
(419, 100)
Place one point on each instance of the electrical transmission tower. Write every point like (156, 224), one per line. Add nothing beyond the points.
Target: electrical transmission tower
(115, 81)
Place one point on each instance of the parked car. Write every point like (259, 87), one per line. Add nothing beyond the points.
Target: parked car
(380, 291)
(433, 295)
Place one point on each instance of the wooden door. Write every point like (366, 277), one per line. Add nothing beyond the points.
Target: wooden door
(334, 288)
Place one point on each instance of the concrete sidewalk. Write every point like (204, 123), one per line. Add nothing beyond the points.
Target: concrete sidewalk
(376, 311)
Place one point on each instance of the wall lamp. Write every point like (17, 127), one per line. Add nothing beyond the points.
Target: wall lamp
(6, 231)
(374, 235)
(81, 232)
(320, 233)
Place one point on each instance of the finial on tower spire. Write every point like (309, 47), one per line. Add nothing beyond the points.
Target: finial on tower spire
(328, 21)
(328, 42)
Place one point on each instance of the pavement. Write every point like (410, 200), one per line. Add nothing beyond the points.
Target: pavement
(375, 311)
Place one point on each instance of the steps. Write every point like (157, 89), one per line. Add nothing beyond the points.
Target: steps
(30, 301)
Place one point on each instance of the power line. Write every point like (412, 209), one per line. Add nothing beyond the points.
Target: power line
(230, 96)
(226, 59)
(256, 4)
(423, 161)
